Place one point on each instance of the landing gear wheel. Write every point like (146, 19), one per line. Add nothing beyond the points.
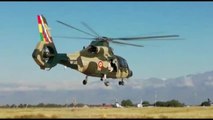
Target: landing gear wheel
(84, 82)
(121, 82)
(106, 83)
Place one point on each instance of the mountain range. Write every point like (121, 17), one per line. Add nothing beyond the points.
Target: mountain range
(190, 89)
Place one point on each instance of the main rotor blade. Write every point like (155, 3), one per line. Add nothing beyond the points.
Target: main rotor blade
(89, 28)
(67, 37)
(144, 38)
(75, 28)
(126, 44)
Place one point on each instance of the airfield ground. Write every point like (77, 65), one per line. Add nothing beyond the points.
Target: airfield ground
(146, 112)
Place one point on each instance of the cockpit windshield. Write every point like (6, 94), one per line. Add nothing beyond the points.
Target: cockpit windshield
(122, 62)
(92, 49)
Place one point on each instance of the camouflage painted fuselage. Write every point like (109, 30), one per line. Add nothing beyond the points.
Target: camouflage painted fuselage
(98, 63)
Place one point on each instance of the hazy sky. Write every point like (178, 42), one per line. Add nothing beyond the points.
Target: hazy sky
(193, 21)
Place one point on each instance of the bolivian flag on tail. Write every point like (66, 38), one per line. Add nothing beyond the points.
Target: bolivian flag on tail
(43, 29)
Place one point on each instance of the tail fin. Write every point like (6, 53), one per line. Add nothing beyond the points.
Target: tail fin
(44, 30)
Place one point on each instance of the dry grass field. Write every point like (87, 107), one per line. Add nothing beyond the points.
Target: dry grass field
(146, 112)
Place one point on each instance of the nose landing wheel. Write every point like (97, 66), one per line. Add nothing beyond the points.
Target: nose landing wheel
(121, 82)
(85, 81)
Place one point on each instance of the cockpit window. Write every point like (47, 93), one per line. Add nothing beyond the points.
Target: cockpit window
(122, 62)
(92, 49)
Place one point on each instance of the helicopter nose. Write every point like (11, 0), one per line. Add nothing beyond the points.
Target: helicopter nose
(130, 73)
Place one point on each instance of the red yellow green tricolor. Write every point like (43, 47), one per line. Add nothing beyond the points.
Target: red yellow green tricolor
(43, 29)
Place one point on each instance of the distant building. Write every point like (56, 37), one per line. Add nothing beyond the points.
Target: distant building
(85, 106)
(140, 105)
(117, 105)
(108, 106)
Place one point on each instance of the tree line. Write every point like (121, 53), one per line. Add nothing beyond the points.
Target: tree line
(125, 103)
(171, 103)
(49, 105)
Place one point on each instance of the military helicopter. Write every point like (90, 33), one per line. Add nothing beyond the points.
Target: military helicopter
(97, 59)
